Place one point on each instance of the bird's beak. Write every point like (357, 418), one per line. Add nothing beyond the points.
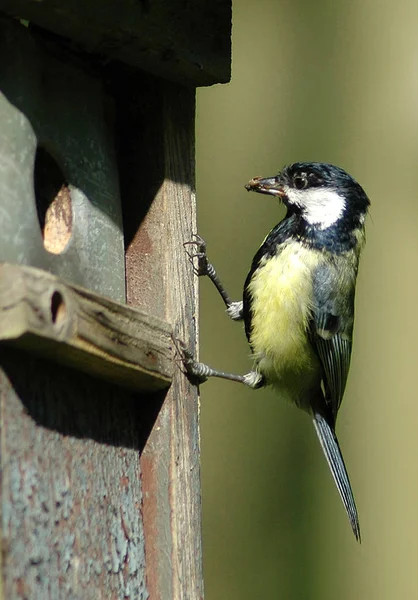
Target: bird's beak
(265, 186)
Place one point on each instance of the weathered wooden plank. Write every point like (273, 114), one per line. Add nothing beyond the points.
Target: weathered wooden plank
(70, 483)
(157, 139)
(70, 477)
(93, 504)
(89, 509)
(83, 330)
(188, 42)
(53, 118)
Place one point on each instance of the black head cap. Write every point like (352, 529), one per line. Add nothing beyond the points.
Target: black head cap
(321, 192)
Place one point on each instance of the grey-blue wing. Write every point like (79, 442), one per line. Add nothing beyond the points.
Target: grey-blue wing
(333, 316)
(332, 327)
(335, 354)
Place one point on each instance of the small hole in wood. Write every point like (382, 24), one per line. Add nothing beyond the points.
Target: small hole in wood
(58, 308)
(53, 202)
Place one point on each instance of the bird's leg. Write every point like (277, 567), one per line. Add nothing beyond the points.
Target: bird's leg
(233, 308)
(200, 372)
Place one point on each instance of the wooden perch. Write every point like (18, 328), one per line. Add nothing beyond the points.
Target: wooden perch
(83, 330)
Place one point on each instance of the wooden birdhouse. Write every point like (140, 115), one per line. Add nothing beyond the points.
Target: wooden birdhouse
(100, 475)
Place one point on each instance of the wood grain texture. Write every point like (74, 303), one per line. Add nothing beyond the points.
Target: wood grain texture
(71, 493)
(54, 133)
(83, 330)
(70, 477)
(157, 133)
(187, 42)
(100, 486)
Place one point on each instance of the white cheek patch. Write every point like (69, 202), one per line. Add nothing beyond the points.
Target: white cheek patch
(319, 206)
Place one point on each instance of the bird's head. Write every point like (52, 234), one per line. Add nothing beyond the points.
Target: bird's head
(321, 193)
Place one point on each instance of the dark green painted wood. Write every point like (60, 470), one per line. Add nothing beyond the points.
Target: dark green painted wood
(100, 488)
(48, 102)
(187, 42)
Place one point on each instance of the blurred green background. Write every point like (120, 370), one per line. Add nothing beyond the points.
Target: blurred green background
(336, 82)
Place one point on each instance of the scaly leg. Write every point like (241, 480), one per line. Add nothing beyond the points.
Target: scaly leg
(233, 308)
(201, 372)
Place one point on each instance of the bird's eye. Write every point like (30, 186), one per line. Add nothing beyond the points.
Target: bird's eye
(300, 181)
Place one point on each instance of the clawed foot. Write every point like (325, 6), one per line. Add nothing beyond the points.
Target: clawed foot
(192, 368)
(203, 266)
(198, 372)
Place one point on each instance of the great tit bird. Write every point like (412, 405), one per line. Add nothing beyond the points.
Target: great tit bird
(298, 300)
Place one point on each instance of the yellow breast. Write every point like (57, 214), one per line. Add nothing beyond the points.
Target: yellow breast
(281, 291)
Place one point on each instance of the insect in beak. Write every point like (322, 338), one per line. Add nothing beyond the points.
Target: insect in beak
(268, 185)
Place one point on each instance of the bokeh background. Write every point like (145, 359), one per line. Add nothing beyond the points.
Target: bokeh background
(327, 81)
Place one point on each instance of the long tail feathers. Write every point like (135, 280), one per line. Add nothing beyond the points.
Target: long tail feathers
(336, 464)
